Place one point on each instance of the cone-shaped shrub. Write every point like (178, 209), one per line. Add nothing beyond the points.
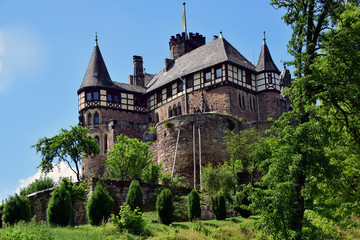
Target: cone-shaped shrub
(194, 208)
(16, 208)
(242, 204)
(100, 204)
(218, 206)
(60, 208)
(134, 197)
(165, 206)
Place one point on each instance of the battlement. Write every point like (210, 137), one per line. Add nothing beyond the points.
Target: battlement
(179, 44)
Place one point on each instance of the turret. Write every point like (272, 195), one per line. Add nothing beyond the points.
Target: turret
(181, 44)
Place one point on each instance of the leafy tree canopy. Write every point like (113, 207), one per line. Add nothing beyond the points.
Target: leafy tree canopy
(38, 185)
(68, 146)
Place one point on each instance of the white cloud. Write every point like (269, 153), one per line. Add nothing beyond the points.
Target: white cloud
(61, 170)
(23, 54)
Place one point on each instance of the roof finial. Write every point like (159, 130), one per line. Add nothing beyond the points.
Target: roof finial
(264, 40)
(221, 36)
(96, 39)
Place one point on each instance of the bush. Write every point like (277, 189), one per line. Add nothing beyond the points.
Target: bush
(37, 185)
(134, 197)
(60, 209)
(165, 206)
(242, 203)
(30, 231)
(1, 214)
(151, 174)
(194, 208)
(218, 178)
(218, 206)
(16, 208)
(100, 204)
(132, 221)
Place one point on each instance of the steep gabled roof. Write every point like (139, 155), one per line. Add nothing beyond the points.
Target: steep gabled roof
(96, 74)
(213, 53)
(265, 62)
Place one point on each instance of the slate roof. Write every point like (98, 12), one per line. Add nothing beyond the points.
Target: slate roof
(129, 87)
(213, 53)
(96, 74)
(265, 62)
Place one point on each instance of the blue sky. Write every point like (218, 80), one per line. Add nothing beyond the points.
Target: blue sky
(45, 47)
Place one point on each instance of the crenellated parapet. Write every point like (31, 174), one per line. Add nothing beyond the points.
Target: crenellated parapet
(181, 44)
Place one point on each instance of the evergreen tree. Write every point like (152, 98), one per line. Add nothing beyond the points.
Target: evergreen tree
(194, 207)
(165, 206)
(60, 209)
(218, 206)
(134, 197)
(16, 208)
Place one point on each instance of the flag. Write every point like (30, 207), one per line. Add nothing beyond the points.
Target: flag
(184, 19)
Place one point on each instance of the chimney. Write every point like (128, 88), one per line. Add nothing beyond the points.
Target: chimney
(138, 71)
(131, 79)
(215, 37)
(168, 64)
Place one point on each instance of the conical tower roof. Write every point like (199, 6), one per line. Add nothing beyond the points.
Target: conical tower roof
(265, 62)
(96, 74)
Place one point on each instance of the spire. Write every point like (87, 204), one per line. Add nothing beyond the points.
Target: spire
(265, 62)
(96, 39)
(184, 20)
(221, 36)
(96, 74)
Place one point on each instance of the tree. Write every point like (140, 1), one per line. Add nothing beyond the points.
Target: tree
(16, 208)
(151, 173)
(38, 185)
(60, 208)
(128, 159)
(68, 146)
(194, 207)
(100, 204)
(134, 197)
(218, 206)
(218, 178)
(165, 206)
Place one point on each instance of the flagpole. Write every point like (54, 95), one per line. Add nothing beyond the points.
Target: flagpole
(184, 20)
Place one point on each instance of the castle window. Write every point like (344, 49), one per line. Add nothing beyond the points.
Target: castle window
(270, 78)
(174, 110)
(97, 140)
(254, 104)
(96, 118)
(105, 143)
(243, 102)
(207, 75)
(116, 98)
(109, 97)
(89, 118)
(170, 112)
(248, 78)
(157, 118)
(159, 97)
(169, 91)
(218, 72)
(179, 109)
(180, 86)
(96, 96)
(147, 137)
(88, 96)
(190, 81)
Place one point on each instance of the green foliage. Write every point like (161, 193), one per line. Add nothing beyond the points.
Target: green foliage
(60, 208)
(100, 204)
(128, 159)
(241, 203)
(232, 124)
(218, 178)
(38, 185)
(151, 173)
(134, 197)
(194, 208)
(68, 146)
(152, 128)
(218, 206)
(168, 124)
(132, 221)
(165, 206)
(16, 208)
(77, 191)
(173, 182)
(31, 231)
(1, 214)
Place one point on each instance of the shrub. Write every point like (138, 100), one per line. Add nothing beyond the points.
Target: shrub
(60, 209)
(165, 206)
(30, 231)
(218, 206)
(218, 178)
(132, 221)
(168, 124)
(242, 203)
(38, 185)
(1, 214)
(16, 208)
(100, 204)
(194, 208)
(134, 197)
(151, 174)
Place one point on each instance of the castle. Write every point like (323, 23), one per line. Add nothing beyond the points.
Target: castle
(203, 90)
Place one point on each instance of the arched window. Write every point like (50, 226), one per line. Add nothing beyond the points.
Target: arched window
(170, 112)
(89, 118)
(179, 109)
(96, 118)
(174, 110)
(147, 137)
(105, 143)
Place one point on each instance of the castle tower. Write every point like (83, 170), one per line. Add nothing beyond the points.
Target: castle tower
(268, 85)
(181, 44)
